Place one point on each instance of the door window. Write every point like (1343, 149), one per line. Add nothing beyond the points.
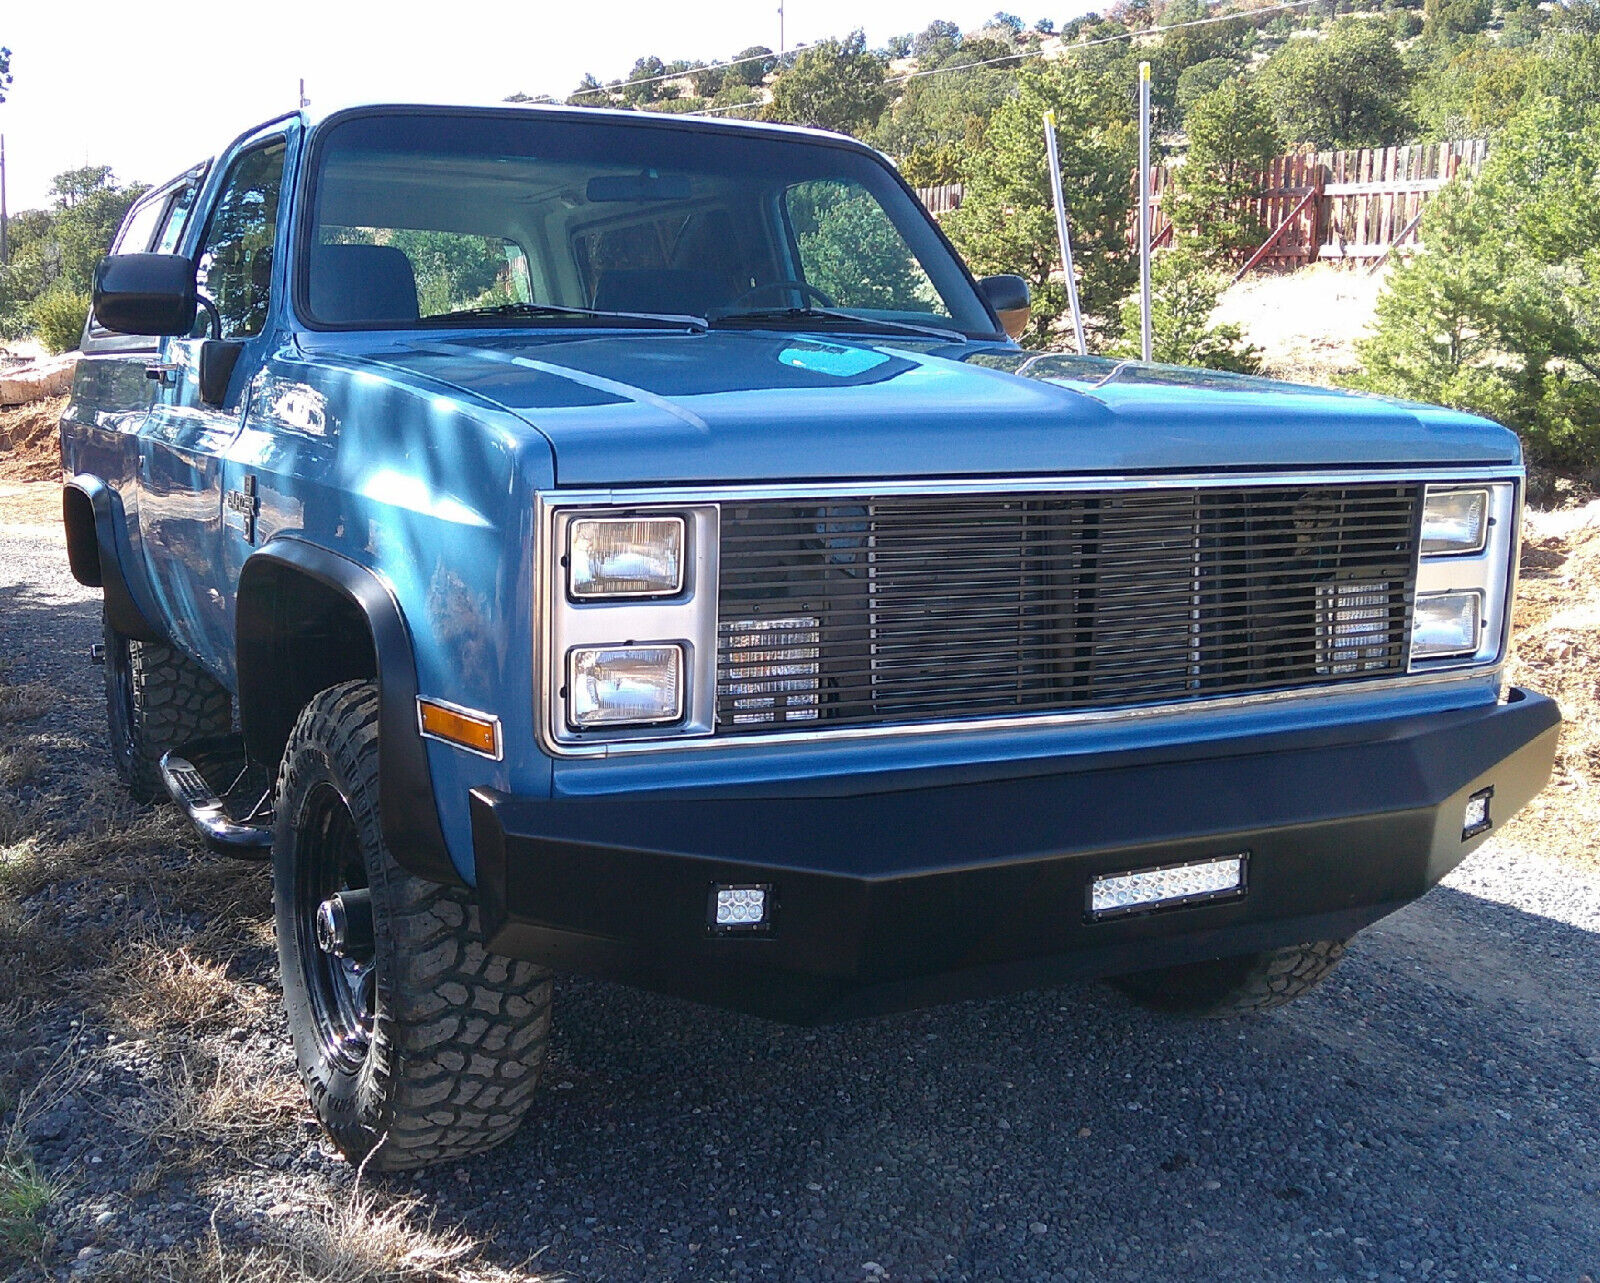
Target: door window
(140, 227)
(235, 266)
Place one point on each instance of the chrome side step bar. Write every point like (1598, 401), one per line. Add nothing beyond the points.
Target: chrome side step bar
(235, 820)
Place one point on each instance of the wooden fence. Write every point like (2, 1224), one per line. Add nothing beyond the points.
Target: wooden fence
(1349, 206)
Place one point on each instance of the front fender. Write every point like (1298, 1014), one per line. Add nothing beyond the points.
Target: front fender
(270, 699)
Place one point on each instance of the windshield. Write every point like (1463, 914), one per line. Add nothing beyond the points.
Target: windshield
(424, 219)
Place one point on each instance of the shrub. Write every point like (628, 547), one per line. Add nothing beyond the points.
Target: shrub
(57, 319)
(1183, 296)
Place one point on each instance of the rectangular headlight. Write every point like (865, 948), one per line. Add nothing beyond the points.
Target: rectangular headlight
(624, 685)
(1446, 623)
(1454, 522)
(625, 557)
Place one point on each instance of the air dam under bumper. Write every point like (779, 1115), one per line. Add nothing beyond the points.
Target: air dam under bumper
(941, 886)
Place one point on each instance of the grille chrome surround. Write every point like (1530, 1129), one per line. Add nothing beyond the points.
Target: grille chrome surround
(899, 608)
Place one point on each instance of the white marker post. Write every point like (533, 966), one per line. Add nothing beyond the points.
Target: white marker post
(1062, 234)
(1147, 337)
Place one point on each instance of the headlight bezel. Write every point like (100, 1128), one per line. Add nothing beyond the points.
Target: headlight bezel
(684, 619)
(1489, 571)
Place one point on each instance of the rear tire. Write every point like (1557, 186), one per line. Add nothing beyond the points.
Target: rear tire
(423, 1046)
(157, 699)
(1240, 986)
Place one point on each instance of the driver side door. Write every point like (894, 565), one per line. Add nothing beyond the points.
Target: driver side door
(182, 504)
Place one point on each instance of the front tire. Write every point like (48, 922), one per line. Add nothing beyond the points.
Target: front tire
(157, 699)
(419, 1045)
(1240, 986)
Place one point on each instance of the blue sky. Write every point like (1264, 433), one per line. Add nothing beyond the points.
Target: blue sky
(148, 89)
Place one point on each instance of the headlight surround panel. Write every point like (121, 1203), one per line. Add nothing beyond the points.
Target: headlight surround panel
(1469, 540)
(640, 618)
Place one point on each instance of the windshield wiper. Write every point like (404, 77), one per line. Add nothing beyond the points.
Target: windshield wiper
(878, 324)
(539, 311)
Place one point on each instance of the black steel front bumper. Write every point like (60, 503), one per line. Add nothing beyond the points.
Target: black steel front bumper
(935, 886)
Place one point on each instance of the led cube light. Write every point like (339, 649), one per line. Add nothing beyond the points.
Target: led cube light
(740, 908)
(1197, 882)
(625, 557)
(1454, 522)
(624, 685)
(1446, 623)
(1476, 819)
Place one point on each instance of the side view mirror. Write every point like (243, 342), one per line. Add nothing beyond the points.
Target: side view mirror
(1008, 295)
(145, 293)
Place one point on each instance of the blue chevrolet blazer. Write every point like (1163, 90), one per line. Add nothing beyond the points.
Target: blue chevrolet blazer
(635, 545)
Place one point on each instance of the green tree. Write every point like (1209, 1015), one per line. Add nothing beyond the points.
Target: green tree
(1474, 90)
(1183, 297)
(1006, 221)
(1232, 138)
(708, 81)
(753, 65)
(1501, 313)
(1188, 47)
(935, 42)
(643, 83)
(1197, 81)
(1347, 89)
(589, 93)
(1452, 19)
(946, 114)
(833, 84)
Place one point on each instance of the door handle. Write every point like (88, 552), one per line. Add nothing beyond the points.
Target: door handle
(163, 372)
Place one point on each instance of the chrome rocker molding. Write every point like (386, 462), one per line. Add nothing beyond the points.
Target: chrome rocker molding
(549, 502)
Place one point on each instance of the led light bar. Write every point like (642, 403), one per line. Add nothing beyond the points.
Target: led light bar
(1168, 886)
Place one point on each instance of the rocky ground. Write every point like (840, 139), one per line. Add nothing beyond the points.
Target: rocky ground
(1430, 1113)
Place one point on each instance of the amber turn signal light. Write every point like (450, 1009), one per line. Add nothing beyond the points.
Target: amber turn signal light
(477, 732)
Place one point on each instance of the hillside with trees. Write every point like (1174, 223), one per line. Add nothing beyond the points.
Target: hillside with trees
(1496, 315)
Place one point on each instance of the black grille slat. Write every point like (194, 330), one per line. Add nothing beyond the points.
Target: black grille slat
(903, 608)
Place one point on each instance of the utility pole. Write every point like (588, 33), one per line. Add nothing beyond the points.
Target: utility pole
(1147, 337)
(782, 47)
(304, 101)
(1062, 234)
(5, 246)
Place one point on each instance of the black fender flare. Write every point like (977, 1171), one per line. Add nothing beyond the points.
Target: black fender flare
(407, 809)
(92, 514)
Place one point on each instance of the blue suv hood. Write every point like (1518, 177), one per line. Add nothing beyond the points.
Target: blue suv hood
(647, 407)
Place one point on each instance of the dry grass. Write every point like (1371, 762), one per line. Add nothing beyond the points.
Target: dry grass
(1306, 322)
(212, 1095)
(364, 1238)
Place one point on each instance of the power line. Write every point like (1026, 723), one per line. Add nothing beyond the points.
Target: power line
(675, 75)
(1238, 15)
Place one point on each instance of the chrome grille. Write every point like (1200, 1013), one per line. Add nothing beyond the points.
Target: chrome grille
(898, 608)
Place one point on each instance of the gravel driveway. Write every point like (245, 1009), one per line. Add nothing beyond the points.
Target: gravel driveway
(1433, 1112)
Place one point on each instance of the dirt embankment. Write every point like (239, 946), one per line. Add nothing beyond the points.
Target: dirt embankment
(30, 448)
(1556, 651)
